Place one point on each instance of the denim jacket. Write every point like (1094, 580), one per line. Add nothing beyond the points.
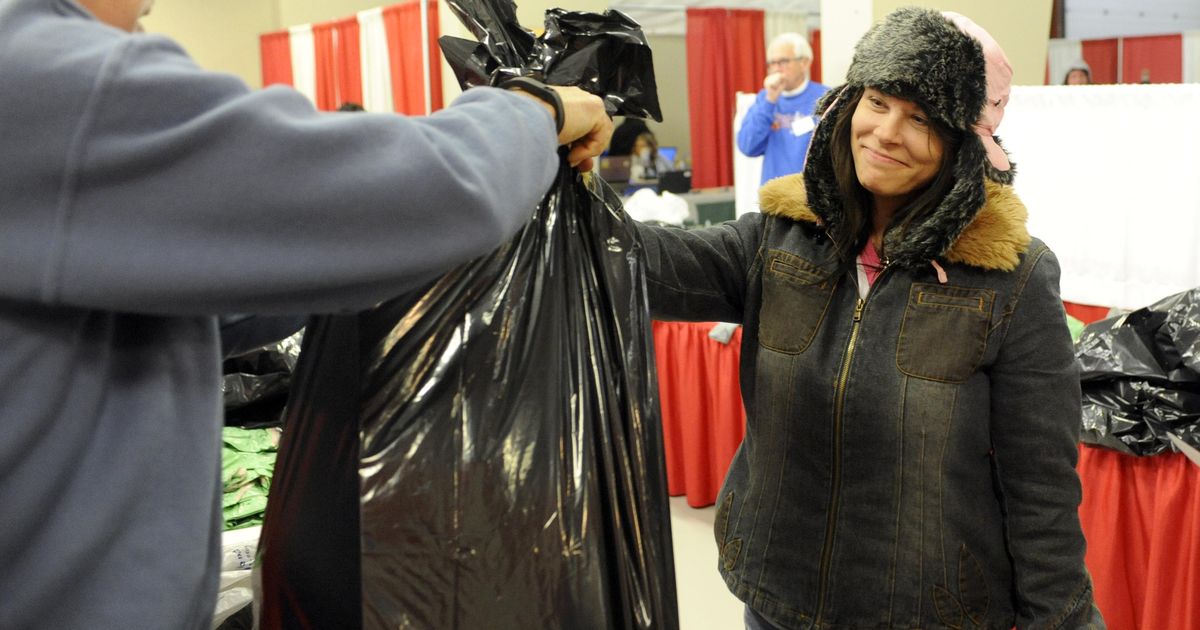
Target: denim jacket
(909, 457)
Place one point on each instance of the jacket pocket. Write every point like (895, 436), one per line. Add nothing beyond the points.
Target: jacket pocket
(796, 295)
(944, 332)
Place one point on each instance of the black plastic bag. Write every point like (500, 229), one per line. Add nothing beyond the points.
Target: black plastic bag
(605, 54)
(1141, 377)
(486, 452)
(255, 384)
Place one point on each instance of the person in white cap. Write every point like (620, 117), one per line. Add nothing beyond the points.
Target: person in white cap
(912, 397)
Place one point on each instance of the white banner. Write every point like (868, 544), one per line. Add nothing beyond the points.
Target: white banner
(1110, 176)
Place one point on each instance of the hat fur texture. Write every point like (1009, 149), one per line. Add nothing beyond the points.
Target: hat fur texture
(919, 55)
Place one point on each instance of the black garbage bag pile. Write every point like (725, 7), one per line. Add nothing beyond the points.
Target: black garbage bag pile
(1141, 377)
(487, 452)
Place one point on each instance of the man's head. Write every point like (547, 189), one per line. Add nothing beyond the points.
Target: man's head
(790, 55)
(123, 14)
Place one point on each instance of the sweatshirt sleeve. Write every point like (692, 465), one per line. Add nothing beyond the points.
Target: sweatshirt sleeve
(756, 126)
(183, 192)
(701, 274)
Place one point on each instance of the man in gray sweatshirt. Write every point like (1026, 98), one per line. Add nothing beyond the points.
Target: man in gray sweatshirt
(141, 198)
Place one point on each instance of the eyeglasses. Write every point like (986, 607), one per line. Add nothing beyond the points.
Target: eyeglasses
(782, 60)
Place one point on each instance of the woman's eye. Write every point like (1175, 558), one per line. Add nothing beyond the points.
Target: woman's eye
(921, 120)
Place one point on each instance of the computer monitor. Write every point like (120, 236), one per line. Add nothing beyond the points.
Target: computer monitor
(675, 181)
(668, 153)
(616, 169)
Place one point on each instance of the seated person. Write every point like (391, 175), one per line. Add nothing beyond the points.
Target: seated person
(647, 163)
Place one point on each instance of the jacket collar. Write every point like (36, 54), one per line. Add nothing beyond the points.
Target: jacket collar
(994, 239)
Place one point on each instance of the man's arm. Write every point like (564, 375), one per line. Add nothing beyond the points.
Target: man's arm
(185, 192)
(756, 127)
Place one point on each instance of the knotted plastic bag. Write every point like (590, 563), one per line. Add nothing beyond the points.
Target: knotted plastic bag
(1141, 377)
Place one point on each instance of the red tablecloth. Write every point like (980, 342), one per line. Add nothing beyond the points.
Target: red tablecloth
(703, 418)
(1141, 516)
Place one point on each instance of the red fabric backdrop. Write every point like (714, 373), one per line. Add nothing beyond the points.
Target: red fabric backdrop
(276, 51)
(1086, 313)
(1141, 515)
(1160, 57)
(338, 60)
(1101, 57)
(725, 54)
(701, 407)
(325, 49)
(339, 64)
(403, 25)
(814, 40)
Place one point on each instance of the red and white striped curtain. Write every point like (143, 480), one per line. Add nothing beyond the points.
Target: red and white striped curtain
(384, 59)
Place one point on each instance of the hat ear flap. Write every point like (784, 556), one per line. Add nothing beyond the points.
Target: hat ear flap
(820, 180)
(997, 175)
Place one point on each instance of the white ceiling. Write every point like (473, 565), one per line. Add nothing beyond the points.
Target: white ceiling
(1098, 19)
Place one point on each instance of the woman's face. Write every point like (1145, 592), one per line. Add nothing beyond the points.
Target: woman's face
(643, 147)
(896, 151)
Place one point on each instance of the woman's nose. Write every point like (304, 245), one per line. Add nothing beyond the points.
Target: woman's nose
(888, 128)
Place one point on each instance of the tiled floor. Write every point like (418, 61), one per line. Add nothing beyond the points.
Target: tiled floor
(704, 601)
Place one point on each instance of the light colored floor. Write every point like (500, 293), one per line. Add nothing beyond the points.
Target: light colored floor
(704, 601)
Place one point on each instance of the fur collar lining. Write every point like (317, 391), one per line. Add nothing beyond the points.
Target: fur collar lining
(994, 239)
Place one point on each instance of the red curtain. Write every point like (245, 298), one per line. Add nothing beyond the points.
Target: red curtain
(814, 40)
(1153, 59)
(339, 68)
(1101, 57)
(702, 414)
(325, 46)
(403, 25)
(348, 61)
(1141, 517)
(725, 54)
(276, 54)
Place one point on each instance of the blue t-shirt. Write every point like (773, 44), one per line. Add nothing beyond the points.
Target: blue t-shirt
(780, 131)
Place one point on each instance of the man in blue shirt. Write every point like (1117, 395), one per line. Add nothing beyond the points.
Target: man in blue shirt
(780, 123)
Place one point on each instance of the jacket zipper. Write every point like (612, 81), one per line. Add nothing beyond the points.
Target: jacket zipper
(839, 405)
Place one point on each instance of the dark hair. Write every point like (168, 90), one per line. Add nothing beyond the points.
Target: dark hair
(350, 106)
(851, 233)
(625, 135)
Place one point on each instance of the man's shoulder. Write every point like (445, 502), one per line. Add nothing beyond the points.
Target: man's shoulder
(813, 91)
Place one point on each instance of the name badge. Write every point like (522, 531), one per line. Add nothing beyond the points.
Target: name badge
(802, 125)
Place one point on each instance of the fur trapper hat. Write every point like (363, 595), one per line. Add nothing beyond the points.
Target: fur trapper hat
(958, 74)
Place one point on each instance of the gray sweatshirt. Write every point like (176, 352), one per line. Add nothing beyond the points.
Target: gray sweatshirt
(140, 198)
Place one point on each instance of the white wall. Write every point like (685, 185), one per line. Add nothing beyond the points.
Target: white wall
(218, 34)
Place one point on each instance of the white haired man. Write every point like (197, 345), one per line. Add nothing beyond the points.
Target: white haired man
(780, 123)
